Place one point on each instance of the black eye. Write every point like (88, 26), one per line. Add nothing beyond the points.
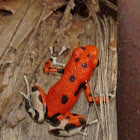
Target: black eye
(97, 64)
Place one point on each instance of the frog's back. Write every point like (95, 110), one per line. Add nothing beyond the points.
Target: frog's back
(65, 93)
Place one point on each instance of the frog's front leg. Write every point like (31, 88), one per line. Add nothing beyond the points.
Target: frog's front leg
(97, 99)
(70, 124)
(35, 102)
(53, 61)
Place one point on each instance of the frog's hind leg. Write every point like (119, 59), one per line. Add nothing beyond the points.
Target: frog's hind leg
(71, 124)
(35, 102)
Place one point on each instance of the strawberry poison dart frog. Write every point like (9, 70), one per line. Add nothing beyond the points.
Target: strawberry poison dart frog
(55, 106)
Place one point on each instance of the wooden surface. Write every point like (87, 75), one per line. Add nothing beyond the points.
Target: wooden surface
(29, 58)
(128, 97)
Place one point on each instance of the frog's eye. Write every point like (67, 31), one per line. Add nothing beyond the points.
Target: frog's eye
(98, 63)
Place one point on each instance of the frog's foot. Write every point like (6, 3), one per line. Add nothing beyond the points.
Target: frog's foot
(70, 124)
(27, 96)
(34, 102)
(64, 133)
(53, 61)
(54, 58)
(112, 94)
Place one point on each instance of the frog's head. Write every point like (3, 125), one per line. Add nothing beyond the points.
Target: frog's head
(91, 53)
(88, 55)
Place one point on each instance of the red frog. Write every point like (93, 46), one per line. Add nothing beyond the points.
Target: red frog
(55, 106)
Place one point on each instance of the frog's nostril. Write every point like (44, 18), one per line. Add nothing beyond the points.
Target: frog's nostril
(89, 55)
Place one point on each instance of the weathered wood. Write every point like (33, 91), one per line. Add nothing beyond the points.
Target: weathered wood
(128, 97)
